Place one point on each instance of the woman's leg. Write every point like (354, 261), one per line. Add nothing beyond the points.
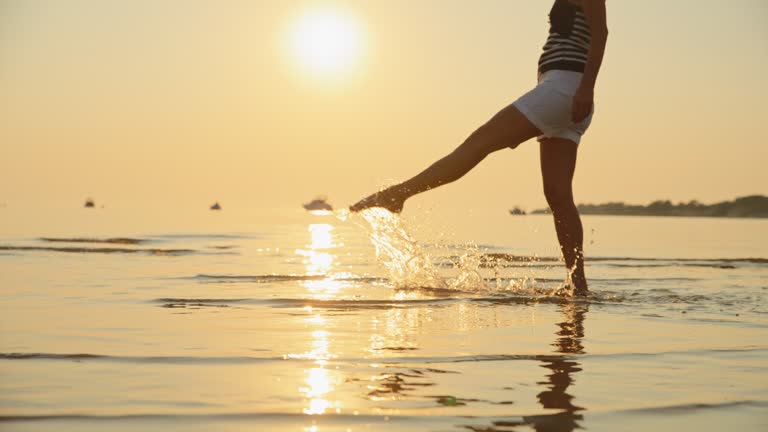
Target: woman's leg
(558, 163)
(508, 128)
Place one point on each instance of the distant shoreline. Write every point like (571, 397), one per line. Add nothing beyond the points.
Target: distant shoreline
(753, 206)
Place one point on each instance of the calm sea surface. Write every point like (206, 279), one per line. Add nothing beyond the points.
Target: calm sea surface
(290, 321)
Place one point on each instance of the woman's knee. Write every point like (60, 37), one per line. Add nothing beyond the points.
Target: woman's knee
(559, 196)
(484, 141)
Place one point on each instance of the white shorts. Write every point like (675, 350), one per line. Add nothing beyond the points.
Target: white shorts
(548, 106)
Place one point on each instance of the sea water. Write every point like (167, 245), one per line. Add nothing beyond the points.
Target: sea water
(301, 322)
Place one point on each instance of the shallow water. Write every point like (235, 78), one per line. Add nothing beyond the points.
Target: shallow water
(291, 322)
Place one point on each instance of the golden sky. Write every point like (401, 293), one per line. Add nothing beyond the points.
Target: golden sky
(148, 101)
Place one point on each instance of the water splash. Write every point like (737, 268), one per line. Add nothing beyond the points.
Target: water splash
(408, 264)
(469, 277)
(411, 266)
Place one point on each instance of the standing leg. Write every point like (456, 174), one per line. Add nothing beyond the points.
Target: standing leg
(508, 128)
(558, 163)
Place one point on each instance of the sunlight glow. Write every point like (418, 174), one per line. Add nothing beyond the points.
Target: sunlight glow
(319, 381)
(317, 260)
(321, 236)
(318, 386)
(326, 41)
(320, 261)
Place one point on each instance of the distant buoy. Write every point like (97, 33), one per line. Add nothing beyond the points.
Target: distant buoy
(89, 203)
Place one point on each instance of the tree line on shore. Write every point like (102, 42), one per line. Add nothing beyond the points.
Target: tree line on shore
(754, 206)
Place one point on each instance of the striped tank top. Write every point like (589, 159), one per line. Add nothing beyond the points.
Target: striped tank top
(569, 37)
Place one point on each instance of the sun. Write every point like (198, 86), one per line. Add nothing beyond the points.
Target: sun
(327, 41)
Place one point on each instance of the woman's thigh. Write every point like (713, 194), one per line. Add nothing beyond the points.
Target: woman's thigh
(507, 129)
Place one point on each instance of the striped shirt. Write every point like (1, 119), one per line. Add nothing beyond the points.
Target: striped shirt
(569, 37)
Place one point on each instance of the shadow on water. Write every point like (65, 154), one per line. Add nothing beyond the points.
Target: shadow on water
(562, 370)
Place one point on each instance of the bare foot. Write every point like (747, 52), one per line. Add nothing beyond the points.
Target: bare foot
(579, 285)
(385, 199)
(568, 291)
(580, 292)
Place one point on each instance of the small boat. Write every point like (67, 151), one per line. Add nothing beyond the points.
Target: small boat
(89, 203)
(318, 204)
(517, 211)
(216, 206)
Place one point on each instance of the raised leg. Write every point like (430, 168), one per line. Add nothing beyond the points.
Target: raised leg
(508, 128)
(558, 163)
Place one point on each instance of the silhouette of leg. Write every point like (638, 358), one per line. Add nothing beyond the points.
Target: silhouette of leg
(558, 163)
(508, 128)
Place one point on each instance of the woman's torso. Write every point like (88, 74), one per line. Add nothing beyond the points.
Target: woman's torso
(569, 38)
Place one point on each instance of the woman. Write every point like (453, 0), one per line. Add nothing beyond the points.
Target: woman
(558, 111)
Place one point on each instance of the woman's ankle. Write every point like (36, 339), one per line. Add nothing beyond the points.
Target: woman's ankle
(579, 283)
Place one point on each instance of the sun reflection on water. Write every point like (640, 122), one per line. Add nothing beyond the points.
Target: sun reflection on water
(394, 330)
(317, 258)
(318, 386)
(319, 380)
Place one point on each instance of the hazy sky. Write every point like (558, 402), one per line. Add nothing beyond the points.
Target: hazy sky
(178, 101)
